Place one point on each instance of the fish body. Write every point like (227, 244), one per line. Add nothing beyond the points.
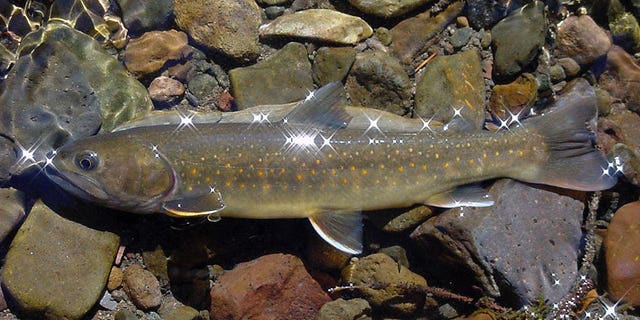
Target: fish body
(312, 165)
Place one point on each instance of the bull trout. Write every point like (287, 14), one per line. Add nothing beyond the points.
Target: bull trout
(311, 165)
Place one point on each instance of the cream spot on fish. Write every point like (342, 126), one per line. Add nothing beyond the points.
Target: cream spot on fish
(377, 181)
(240, 170)
(468, 144)
(330, 156)
(217, 172)
(393, 183)
(260, 159)
(352, 168)
(239, 154)
(470, 161)
(202, 159)
(497, 153)
(334, 172)
(397, 152)
(419, 153)
(484, 155)
(410, 150)
(381, 166)
(437, 156)
(357, 187)
(272, 171)
(242, 186)
(282, 170)
(189, 188)
(251, 166)
(510, 151)
(253, 185)
(317, 161)
(371, 152)
(412, 165)
(313, 172)
(207, 179)
(534, 148)
(228, 165)
(457, 159)
(520, 153)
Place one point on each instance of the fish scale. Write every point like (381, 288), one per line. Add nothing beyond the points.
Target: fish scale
(313, 164)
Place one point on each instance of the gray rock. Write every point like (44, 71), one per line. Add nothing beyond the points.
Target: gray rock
(284, 77)
(523, 247)
(202, 85)
(332, 64)
(452, 83)
(570, 66)
(273, 12)
(142, 287)
(461, 37)
(518, 38)
(319, 25)
(378, 81)
(226, 26)
(340, 309)
(75, 261)
(387, 8)
(12, 211)
(484, 14)
(142, 16)
(65, 86)
(272, 2)
(8, 158)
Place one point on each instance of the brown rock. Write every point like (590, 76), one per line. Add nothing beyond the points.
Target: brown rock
(513, 97)
(164, 90)
(149, 53)
(622, 77)
(275, 286)
(142, 287)
(115, 278)
(581, 39)
(622, 254)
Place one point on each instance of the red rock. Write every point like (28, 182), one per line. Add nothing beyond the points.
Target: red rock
(165, 90)
(275, 286)
(622, 254)
(581, 39)
(622, 77)
(149, 53)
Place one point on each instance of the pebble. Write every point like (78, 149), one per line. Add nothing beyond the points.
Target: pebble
(142, 287)
(378, 81)
(115, 278)
(142, 16)
(202, 86)
(402, 220)
(407, 43)
(387, 285)
(165, 91)
(517, 39)
(324, 256)
(284, 77)
(332, 64)
(226, 26)
(622, 254)
(75, 259)
(153, 50)
(387, 8)
(273, 12)
(523, 247)
(513, 97)
(8, 158)
(571, 67)
(275, 286)
(272, 2)
(621, 77)
(318, 25)
(621, 127)
(12, 211)
(452, 82)
(461, 37)
(623, 26)
(182, 313)
(580, 38)
(340, 309)
(92, 88)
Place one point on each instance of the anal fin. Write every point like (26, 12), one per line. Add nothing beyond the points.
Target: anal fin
(463, 196)
(343, 230)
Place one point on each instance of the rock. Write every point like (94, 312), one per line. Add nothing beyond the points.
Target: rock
(12, 211)
(125, 314)
(323, 256)
(226, 26)
(156, 262)
(202, 85)
(556, 73)
(523, 247)
(619, 134)
(461, 37)
(624, 26)
(92, 90)
(581, 39)
(512, 98)
(73, 258)
(283, 77)
(274, 12)
(272, 2)
(115, 278)
(621, 78)
(517, 39)
(388, 286)
(387, 8)
(484, 14)
(318, 25)
(274, 286)
(142, 16)
(182, 313)
(3, 301)
(622, 254)
(571, 67)
(407, 43)
(8, 158)
(452, 83)
(383, 35)
(397, 253)
(378, 81)
(340, 309)
(142, 287)
(332, 64)
(406, 220)
(165, 91)
(153, 50)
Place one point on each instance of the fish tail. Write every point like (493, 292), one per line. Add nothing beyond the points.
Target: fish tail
(573, 162)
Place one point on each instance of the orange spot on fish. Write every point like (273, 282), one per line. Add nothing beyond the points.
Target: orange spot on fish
(363, 171)
(446, 165)
(400, 169)
(382, 166)
(266, 187)
(299, 177)
(194, 171)
(411, 164)
(333, 172)
(240, 170)
(345, 181)
(424, 167)
(227, 183)
(352, 168)
(470, 161)
(260, 173)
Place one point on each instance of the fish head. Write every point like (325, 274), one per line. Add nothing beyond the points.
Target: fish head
(114, 170)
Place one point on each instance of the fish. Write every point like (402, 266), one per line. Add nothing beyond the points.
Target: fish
(312, 164)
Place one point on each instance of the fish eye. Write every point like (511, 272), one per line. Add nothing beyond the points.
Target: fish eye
(87, 160)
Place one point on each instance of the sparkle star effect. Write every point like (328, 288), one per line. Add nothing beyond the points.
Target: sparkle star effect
(426, 124)
(262, 118)
(186, 121)
(457, 112)
(302, 140)
(613, 168)
(373, 124)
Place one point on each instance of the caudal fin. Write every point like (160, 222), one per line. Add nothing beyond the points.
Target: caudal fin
(573, 162)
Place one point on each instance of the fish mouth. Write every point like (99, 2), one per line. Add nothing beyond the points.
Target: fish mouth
(81, 186)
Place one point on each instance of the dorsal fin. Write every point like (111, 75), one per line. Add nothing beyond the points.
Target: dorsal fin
(322, 107)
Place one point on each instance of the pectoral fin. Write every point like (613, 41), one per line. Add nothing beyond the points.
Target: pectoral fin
(464, 196)
(343, 230)
(195, 204)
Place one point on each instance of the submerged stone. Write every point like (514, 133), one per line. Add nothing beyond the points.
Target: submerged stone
(57, 268)
(387, 8)
(141, 16)
(622, 254)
